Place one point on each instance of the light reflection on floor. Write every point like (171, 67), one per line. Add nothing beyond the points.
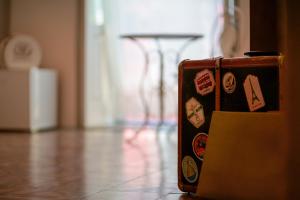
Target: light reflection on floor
(94, 164)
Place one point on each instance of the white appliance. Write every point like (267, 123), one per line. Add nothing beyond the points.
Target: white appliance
(28, 99)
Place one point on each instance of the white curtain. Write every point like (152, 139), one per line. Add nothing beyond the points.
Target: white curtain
(102, 77)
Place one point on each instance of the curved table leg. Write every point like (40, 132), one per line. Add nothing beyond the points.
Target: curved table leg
(161, 81)
(183, 47)
(177, 60)
(161, 85)
(142, 86)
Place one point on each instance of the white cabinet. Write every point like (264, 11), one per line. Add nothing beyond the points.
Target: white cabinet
(28, 99)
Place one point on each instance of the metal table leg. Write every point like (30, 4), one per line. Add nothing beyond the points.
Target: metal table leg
(161, 85)
(142, 85)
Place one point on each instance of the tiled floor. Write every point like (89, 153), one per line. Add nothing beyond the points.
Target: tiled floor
(88, 165)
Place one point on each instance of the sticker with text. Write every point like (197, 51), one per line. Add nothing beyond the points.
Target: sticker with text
(194, 112)
(229, 83)
(204, 82)
(189, 169)
(199, 144)
(253, 93)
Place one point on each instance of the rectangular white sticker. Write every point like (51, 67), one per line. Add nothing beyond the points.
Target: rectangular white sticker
(253, 93)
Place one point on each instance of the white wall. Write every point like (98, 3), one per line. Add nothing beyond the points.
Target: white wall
(55, 24)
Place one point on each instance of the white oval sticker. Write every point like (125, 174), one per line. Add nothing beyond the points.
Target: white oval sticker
(229, 83)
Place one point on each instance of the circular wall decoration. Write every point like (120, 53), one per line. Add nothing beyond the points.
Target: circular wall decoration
(21, 52)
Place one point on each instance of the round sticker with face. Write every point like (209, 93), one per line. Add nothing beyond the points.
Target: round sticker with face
(199, 144)
(194, 112)
(229, 82)
(189, 169)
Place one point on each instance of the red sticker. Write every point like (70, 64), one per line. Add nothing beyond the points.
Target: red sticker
(204, 82)
(199, 144)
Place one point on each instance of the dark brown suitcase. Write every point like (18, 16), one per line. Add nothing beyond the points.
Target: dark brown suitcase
(249, 84)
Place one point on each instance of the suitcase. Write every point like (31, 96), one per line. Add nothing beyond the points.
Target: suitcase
(246, 84)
